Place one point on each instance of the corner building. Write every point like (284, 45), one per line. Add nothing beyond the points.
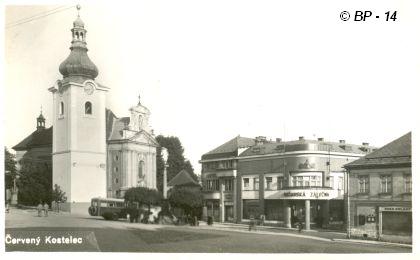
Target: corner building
(295, 180)
(380, 187)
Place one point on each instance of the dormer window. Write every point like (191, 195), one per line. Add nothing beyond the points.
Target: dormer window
(88, 108)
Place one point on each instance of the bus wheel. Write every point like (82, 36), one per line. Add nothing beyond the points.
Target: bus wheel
(115, 216)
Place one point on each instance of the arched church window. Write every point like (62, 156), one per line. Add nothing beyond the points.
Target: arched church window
(88, 108)
(61, 109)
(77, 35)
(140, 172)
(81, 36)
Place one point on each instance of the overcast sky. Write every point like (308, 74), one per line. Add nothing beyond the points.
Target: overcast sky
(212, 70)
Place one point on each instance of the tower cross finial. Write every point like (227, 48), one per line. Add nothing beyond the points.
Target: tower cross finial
(139, 101)
(78, 7)
(41, 109)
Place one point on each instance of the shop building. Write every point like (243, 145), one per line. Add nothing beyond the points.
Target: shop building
(219, 173)
(290, 181)
(380, 187)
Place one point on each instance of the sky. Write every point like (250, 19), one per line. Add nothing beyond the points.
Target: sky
(211, 70)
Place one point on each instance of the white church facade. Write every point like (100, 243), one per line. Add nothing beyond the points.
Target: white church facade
(95, 153)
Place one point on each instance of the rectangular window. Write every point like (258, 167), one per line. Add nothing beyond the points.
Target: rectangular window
(229, 185)
(407, 183)
(386, 184)
(268, 183)
(246, 183)
(299, 181)
(340, 183)
(280, 183)
(363, 184)
(332, 181)
(306, 181)
(256, 183)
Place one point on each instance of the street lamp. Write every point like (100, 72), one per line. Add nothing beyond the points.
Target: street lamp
(165, 166)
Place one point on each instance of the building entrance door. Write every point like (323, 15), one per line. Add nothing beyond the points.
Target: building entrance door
(229, 213)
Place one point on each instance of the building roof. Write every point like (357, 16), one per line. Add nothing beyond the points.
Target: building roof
(306, 145)
(396, 152)
(38, 138)
(230, 148)
(182, 178)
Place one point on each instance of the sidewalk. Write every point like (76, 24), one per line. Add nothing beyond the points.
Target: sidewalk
(324, 235)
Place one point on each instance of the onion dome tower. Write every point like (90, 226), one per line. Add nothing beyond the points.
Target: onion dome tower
(79, 123)
(78, 63)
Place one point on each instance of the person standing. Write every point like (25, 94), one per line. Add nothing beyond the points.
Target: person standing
(46, 209)
(39, 208)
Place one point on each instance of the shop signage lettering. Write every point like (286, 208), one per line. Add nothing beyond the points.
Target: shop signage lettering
(394, 209)
(294, 194)
(307, 194)
(319, 194)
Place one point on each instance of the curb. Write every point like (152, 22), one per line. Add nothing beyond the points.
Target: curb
(269, 233)
(371, 242)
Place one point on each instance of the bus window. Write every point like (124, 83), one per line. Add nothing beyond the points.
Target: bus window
(103, 204)
(111, 204)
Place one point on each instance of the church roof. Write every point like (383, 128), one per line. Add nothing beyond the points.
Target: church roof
(38, 138)
(230, 148)
(182, 178)
(395, 152)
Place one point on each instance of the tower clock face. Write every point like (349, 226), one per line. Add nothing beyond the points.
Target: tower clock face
(89, 88)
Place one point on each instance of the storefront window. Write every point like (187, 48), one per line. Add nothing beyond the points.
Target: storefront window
(250, 209)
(273, 210)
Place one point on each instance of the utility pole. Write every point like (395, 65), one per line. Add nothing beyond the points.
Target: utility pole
(347, 175)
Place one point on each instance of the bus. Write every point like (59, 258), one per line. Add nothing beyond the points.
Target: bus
(99, 206)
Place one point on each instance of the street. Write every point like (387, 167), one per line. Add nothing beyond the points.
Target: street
(121, 236)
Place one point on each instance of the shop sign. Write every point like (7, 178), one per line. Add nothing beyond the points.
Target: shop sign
(307, 194)
(228, 196)
(403, 209)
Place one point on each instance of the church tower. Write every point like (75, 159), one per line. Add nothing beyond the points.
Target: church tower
(79, 142)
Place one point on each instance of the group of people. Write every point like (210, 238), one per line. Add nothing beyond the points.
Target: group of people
(42, 209)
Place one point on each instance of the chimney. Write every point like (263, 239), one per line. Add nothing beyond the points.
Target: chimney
(342, 141)
(260, 140)
(301, 138)
(321, 139)
(365, 144)
(278, 140)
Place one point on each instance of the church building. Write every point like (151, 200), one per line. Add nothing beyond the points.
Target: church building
(94, 153)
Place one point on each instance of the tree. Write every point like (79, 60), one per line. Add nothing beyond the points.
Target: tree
(143, 196)
(176, 160)
(35, 182)
(9, 168)
(58, 195)
(189, 199)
